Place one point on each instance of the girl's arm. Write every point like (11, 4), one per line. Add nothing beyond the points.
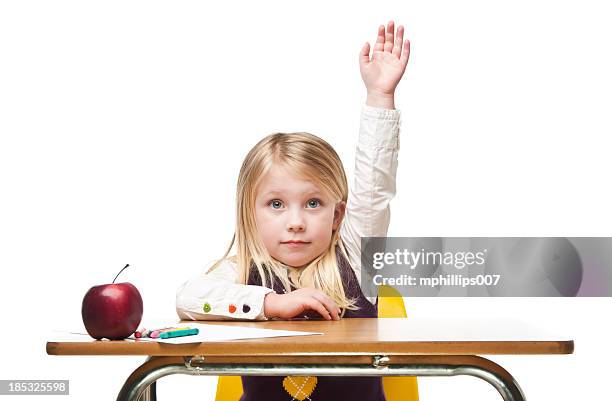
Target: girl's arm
(368, 212)
(216, 296)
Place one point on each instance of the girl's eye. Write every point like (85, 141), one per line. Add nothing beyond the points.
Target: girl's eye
(275, 203)
(314, 202)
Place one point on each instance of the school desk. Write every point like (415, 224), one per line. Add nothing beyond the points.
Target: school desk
(349, 347)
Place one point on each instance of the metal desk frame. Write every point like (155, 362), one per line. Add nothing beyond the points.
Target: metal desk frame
(141, 385)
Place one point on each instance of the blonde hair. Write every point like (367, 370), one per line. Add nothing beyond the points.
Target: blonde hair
(314, 159)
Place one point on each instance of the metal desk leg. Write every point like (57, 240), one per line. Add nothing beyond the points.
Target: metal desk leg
(141, 382)
(417, 365)
(149, 393)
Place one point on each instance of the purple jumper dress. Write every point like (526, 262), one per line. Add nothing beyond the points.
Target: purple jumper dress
(328, 388)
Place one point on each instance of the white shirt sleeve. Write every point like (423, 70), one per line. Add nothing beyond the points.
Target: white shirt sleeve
(216, 296)
(367, 210)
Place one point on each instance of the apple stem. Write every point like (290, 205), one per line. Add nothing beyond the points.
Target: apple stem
(120, 273)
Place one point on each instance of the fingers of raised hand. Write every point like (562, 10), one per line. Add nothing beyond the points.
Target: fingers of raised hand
(364, 54)
(389, 36)
(405, 53)
(380, 39)
(399, 40)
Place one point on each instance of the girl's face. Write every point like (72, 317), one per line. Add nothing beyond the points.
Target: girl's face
(288, 208)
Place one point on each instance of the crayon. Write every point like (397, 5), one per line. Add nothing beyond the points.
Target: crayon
(156, 333)
(138, 333)
(179, 333)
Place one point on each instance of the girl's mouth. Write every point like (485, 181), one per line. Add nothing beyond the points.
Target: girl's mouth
(295, 244)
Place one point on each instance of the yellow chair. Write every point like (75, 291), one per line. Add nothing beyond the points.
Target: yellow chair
(397, 388)
(400, 388)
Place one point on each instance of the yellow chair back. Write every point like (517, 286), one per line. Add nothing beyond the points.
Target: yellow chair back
(397, 388)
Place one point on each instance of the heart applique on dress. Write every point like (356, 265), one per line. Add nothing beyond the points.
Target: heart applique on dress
(300, 387)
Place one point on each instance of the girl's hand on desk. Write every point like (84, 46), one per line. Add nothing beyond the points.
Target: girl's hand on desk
(382, 73)
(292, 304)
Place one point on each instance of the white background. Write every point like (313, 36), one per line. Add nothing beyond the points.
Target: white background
(123, 126)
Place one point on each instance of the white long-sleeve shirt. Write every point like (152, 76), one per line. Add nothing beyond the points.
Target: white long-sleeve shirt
(217, 295)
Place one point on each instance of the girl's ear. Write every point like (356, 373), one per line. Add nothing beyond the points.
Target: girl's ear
(339, 214)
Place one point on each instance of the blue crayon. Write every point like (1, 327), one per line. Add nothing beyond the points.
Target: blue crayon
(179, 333)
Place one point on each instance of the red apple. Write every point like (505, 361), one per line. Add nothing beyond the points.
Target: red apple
(112, 311)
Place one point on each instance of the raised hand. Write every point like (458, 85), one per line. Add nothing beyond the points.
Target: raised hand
(382, 72)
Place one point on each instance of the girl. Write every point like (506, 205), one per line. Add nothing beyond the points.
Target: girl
(298, 229)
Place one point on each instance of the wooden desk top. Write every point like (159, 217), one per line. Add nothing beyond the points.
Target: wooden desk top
(345, 341)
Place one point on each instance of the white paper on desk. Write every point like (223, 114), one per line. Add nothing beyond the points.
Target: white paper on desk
(208, 333)
(216, 332)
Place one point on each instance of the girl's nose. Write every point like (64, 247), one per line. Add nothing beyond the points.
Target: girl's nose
(296, 223)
